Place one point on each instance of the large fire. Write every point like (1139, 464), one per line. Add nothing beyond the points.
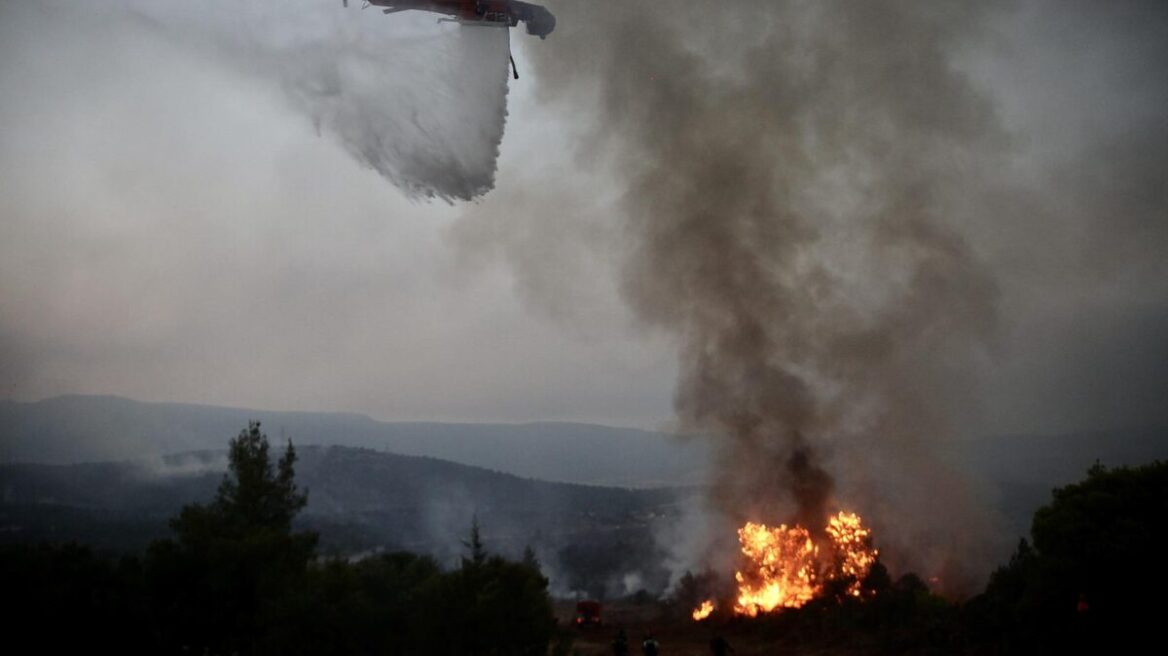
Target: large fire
(784, 567)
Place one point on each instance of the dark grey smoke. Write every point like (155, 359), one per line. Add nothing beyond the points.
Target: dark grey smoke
(793, 176)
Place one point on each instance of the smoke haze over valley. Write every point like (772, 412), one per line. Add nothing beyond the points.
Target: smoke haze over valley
(138, 463)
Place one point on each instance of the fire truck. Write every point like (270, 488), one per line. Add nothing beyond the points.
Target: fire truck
(588, 613)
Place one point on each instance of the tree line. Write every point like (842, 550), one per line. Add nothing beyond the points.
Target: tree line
(235, 578)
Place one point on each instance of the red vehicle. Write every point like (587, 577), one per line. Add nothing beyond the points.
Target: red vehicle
(588, 613)
(489, 13)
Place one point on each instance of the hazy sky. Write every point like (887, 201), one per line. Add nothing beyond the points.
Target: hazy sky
(177, 225)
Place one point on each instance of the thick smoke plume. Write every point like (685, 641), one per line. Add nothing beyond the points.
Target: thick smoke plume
(794, 176)
(421, 103)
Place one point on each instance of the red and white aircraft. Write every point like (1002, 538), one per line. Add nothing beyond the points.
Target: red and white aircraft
(487, 13)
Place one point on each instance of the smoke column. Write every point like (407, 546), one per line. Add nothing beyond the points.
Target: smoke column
(421, 103)
(793, 177)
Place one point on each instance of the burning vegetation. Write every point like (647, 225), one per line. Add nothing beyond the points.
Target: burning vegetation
(785, 566)
(703, 611)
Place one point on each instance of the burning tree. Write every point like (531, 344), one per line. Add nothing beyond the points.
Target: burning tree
(784, 567)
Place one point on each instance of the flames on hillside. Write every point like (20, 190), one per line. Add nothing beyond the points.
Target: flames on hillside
(785, 567)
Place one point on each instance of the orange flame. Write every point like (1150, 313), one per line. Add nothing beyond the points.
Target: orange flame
(784, 568)
(702, 612)
(854, 556)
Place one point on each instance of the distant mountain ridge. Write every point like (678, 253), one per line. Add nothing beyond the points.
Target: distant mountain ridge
(77, 429)
(375, 485)
(1017, 472)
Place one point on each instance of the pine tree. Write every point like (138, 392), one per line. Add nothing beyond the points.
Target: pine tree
(226, 582)
(478, 553)
(251, 494)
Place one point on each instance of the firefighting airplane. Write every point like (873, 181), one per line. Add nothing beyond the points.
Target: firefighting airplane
(486, 13)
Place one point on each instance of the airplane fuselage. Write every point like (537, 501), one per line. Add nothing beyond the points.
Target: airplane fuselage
(502, 13)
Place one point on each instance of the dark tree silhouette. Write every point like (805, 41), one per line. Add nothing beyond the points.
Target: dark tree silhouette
(237, 579)
(478, 552)
(1092, 577)
(224, 583)
(251, 494)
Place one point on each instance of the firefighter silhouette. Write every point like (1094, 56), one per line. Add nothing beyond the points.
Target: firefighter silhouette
(620, 644)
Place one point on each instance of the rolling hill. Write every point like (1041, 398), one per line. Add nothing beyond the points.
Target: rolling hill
(359, 500)
(77, 429)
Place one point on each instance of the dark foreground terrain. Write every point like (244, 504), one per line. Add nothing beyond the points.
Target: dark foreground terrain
(266, 560)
